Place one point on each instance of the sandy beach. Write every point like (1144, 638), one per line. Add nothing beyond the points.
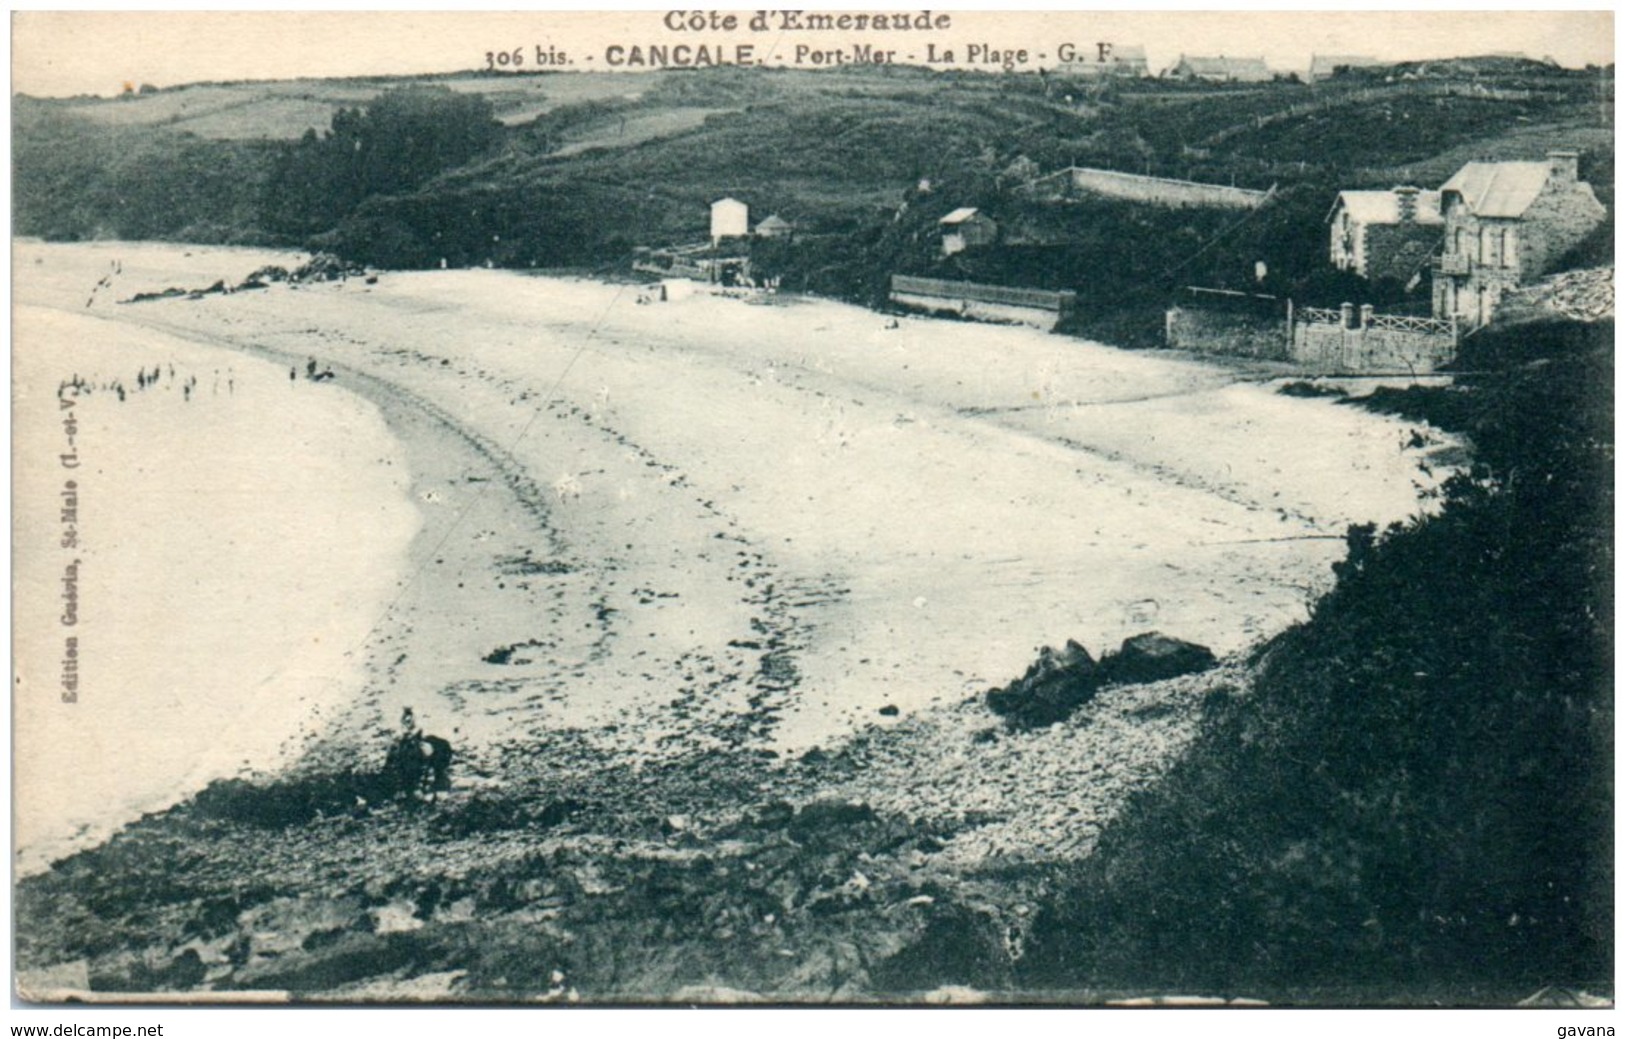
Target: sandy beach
(700, 520)
(221, 599)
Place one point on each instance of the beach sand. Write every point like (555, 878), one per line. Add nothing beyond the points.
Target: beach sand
(238, 534)
(708, 520)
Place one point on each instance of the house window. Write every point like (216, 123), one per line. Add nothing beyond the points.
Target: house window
(1487, 254)
(1509, 248)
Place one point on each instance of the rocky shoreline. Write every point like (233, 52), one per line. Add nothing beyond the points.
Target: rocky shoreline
(901, 865)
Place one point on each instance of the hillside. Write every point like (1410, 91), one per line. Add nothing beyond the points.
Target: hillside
(577, 169)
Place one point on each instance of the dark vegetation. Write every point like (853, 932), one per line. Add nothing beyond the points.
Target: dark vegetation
(1418, 786)
(393, 145)
(422, 175)
(73, 180)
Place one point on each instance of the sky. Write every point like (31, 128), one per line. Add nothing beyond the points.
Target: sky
(65, 53)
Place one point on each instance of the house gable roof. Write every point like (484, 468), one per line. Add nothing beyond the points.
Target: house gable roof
(1382, 207)
(1498, 189)
(959, 216)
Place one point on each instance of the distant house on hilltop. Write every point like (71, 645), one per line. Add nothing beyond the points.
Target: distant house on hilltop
(965, 229)
(1385, 234)
(1108, 60)
(1325, 66)
(1505, 223)
(1221, 69)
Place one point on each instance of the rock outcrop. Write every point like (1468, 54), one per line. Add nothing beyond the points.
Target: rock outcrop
(1053, 687)
(1152, 657)
(1059, 683)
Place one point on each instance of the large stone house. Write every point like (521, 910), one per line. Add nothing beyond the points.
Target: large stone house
(1505, 223)
(1385, 234)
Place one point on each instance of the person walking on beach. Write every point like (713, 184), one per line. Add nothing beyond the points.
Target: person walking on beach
(404, 762)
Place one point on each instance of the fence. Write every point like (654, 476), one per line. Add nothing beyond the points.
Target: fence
(1341, 96)
(1319, 316)
(1345, 340)
(699, 262)
(1410, 323)
(1013, 295)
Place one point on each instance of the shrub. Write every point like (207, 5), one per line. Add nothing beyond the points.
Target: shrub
(1414, 801)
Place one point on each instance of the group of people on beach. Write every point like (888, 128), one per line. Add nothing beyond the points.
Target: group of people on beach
(145, 379)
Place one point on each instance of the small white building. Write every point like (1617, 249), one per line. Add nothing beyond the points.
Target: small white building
(1107, 60)
(730, 218)
(775, 226)
(966, 228)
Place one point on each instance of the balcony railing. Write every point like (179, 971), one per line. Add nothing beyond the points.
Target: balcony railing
(1454, 263)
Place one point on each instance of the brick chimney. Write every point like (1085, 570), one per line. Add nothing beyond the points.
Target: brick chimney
(1565, 166)
(1407, 203)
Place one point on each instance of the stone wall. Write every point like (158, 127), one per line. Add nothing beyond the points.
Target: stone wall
(1399, 250)
(1330, 348)
(1346, 341)
(1078, 180)
(1554, 224)
(1237, 333)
